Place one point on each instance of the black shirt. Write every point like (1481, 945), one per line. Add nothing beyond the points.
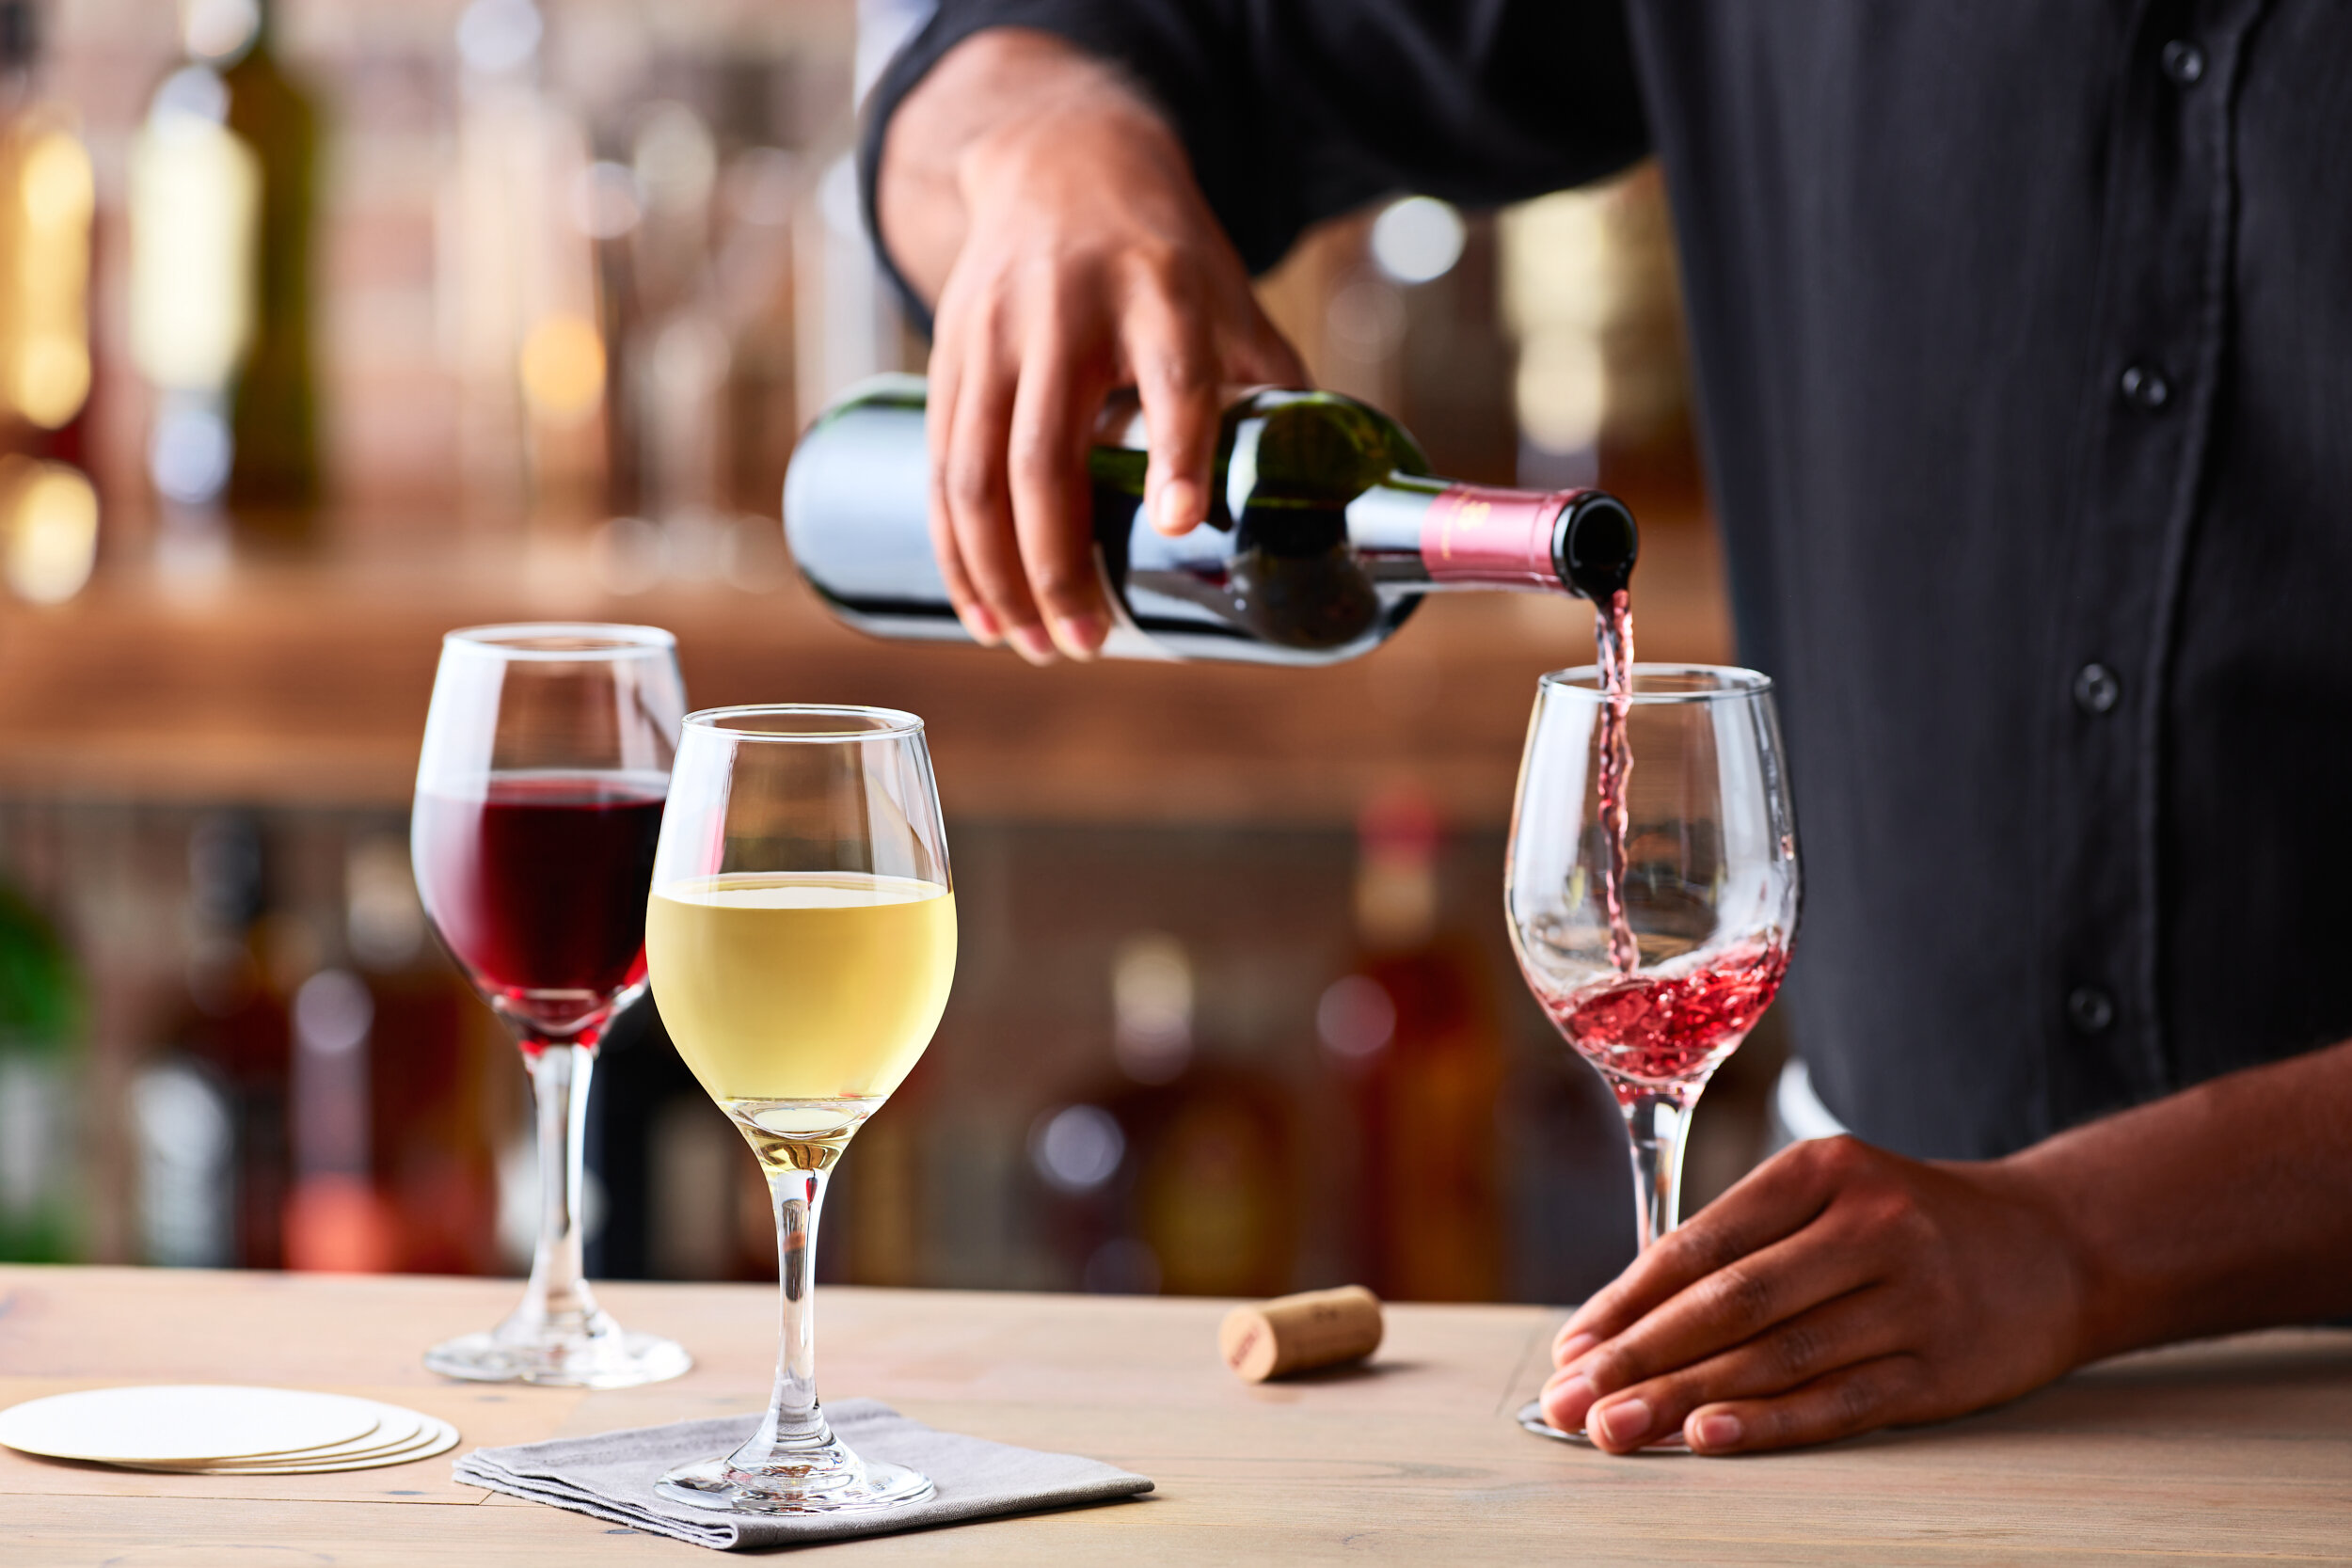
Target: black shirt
(2024, 337)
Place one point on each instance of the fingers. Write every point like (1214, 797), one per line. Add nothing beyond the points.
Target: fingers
(1770, 1289)
(1859, 1326)
(969, 439)
(939, 418)
(1855, 1398)
(1053, 513)
(1170, 352)
(1777, 1199)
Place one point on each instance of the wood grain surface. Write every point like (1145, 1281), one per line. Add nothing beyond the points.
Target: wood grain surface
(2217, 1452)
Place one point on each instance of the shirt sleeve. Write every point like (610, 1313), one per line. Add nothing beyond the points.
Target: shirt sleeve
(1297, 110)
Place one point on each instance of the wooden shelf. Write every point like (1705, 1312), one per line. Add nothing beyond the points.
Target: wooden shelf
(305, 684)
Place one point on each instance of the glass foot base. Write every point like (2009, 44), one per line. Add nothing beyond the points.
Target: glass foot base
(843, 1484)
(1532, 1417)
(606, 1360)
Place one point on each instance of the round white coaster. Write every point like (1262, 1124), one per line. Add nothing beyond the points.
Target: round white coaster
(396, 1428)
(439, 1437)
(184, 1421)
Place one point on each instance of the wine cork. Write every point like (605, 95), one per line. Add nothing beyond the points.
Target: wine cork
(1294, 1334)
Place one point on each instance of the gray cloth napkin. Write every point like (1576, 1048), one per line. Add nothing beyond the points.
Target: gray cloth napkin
(612, 1476)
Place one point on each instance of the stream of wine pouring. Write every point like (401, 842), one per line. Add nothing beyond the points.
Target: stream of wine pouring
(1612, 634)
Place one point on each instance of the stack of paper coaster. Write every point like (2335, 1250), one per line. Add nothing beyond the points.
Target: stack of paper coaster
(220, 1430)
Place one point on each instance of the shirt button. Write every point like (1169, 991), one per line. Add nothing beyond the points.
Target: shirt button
(2144, 388)
(2184, 62)
(2089, 1009)
(2096, 690)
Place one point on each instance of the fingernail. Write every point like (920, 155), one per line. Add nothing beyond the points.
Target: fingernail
(1715, 1432)
(982, 625)
(1572, 1347)
(1032, 644)
(1079, 635)
(1565, 1399)
(1626, 1422)
(1180, 506)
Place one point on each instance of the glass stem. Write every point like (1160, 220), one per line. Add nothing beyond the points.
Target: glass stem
(1657, 1119)
(558, 1300)
(795, 1425)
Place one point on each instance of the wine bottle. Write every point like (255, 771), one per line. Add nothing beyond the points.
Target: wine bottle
(48, 507)
(47, 203)
(222, 200)
(274, 483)
(210, 1112)
(1324, 530)
(44, 1006)
(1180, 1172)
(1414, 1027)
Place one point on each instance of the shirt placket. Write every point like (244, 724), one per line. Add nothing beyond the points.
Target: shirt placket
(2157, 358)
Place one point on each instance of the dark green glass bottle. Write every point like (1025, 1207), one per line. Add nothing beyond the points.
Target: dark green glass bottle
(42, 1014)
(274, 479)
(1324, 530)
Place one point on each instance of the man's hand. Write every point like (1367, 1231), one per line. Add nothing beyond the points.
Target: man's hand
(1841, 1288)
(1053, 217)
(1838, 1288)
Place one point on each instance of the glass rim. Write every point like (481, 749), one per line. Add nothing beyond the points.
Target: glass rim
(1583, 680)
(616, 639)
(895, 723)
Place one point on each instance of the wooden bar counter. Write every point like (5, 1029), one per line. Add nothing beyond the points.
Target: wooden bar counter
(2228, 1451)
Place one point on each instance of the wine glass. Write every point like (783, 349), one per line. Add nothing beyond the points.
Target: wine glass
(801, 937)
(1652, 890)
(546, 757)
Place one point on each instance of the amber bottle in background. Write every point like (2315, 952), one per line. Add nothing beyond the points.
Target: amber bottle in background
(48, 507)
(223, 200)
(209, 1111)
(1413, 1028)
(1180, 1174)
(425, 1198)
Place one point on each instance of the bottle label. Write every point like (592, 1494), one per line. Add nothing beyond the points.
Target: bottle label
(1477, 534)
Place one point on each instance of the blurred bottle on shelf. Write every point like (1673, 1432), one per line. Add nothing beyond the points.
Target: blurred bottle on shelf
(335, 1219)
(1590, 300)
(1184, 1178)
(1414, 1028)
(48, 507)
(210, 1112)
(223, 200)
(690, 207)
(680, 1197)
(432, 1187)
(42, 1014)
(521, 316)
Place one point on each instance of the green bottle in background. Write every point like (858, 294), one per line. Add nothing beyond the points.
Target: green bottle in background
(273, 479)
(223, 205)
(42, 1012)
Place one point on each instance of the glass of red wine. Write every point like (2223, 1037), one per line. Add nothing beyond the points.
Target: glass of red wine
(1652, 889)
(539, 794)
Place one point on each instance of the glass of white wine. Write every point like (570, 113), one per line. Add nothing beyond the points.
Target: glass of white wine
(800, 941)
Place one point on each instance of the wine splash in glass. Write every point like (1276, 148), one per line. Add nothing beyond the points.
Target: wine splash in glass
(539, 797)
(1652, 888)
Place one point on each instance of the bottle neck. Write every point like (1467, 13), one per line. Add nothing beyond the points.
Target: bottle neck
(1485, 536)
(1451, 535)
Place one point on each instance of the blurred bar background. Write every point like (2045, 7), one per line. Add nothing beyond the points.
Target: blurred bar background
(326, 326)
